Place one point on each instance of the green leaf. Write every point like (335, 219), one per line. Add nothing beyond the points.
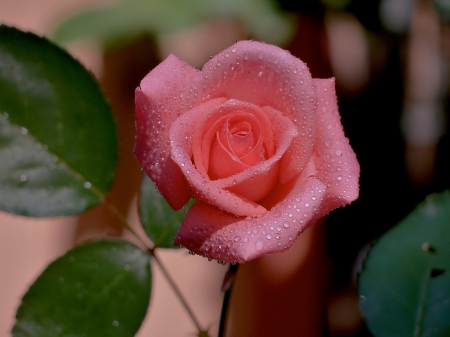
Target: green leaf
(101, 288)
(58, 144)
(127, 18)
(405, 283)
(443, 9)
(159, 220)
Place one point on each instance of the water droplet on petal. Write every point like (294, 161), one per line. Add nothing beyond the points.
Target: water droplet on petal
(259, 244)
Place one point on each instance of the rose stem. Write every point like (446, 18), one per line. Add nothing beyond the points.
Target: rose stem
(176, 290)
(226, 299)
(151, 251)
(122, 218)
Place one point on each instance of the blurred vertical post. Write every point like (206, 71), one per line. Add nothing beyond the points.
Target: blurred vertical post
(422, 119)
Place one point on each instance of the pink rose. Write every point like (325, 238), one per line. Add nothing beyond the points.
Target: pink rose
(254, 139)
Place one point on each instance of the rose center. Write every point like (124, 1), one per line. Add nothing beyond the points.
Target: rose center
(238, 144)
(239, 137)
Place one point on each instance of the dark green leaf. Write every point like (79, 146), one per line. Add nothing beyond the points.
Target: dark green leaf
(159, 220)
(58, 145)
(405, 283)
(101, 288)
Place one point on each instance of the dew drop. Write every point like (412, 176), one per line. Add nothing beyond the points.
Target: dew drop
(261, 55)
(23, 131)
(269, 236)
(339, 178)
(115, 323)
(127, 267)
(286, 225)
(259, 244)
(237, 238)
(23, 178)
(234, 50)
(87, 184)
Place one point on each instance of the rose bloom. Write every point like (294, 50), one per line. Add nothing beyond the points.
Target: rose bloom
(254, 139)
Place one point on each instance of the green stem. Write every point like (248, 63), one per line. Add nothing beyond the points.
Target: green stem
(226, 299)
(125, 222)
(176, 290)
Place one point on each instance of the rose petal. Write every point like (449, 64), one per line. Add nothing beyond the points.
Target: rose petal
(336, 163)
(258, 180)
(251, 71)
(266, 75)
(160, 99)
(221, 236)
(230, 154)
(210, 122)
(181, 136)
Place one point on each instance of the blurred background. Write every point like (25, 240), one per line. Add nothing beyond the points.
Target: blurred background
(390, 59)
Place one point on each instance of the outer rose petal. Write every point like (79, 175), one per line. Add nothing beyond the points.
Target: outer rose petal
(158, 104)
(336, 163)
(218, 235)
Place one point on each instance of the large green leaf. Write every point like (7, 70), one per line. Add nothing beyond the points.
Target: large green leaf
(159, 220)
(101, 288)
(127, 18)
(58, 145)
(405, 283)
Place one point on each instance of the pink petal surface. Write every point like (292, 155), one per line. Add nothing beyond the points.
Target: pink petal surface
(159, 101)
(217, 192)
(268, 76)
(218, 235)
(336, 163)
